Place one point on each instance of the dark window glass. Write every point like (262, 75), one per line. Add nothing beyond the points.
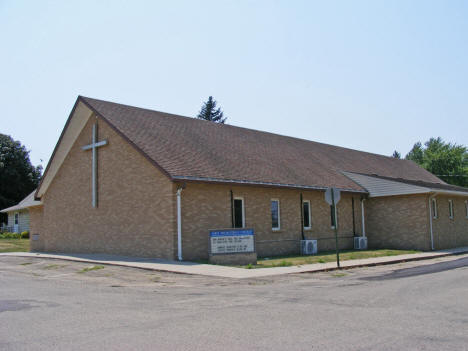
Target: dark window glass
(306, 212)
(275, 214)
(332, 216)
(238, 215)
(16, 218)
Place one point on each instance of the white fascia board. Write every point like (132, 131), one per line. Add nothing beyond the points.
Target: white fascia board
(71, 132)
(449, 192)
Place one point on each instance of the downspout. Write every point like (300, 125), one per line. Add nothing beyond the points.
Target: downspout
(232, 210)
(430, 220)
(363, 218)
(179, 224)
(302, 218)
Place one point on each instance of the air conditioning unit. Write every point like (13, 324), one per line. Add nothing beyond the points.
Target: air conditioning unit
(360, 243)
(308, 247)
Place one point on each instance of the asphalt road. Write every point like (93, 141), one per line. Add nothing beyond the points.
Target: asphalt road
(55, 305)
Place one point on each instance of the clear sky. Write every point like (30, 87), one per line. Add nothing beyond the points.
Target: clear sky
(369, 75)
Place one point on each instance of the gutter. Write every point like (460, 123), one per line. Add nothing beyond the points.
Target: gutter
(259, 183)
(448, 192)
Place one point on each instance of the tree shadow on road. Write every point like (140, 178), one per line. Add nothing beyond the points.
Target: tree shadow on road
(426, 269)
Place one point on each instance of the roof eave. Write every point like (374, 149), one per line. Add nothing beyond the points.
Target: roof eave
(448, 192)
(262, 184)
(55, 148)
(18, 208)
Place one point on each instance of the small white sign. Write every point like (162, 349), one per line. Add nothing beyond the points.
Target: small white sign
(328, 195)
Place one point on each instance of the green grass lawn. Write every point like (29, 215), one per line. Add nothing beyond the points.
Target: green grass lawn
(14, 245)
(329, 256)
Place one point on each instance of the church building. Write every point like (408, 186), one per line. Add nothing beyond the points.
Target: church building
(130, 181)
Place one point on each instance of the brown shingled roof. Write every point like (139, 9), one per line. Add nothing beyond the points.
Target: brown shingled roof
(194, 149)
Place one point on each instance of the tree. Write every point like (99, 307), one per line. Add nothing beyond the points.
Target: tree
(396, 154)
(416, 154)
(446, 160)
(209, 112)
(18, 177)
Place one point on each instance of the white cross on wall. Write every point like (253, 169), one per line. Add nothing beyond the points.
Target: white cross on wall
(93, 146)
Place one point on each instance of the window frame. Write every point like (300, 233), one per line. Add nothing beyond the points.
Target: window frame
(434, 209)
(16, 218)
(279, 215)
(451, 210)
(309, 214)
(243, 210)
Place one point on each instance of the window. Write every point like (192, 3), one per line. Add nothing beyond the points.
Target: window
(466, 208)
(450, 208)
(333, 216)
(434, 208)
(306, 214)
(16, 218)
(275, 215)
(239, 221)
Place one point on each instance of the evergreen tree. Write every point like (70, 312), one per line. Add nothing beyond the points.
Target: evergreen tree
(416, 154)
(18, 177)
(396, 154)
(209, 112)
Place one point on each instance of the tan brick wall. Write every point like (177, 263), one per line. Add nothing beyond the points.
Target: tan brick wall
(208, 206)
(35, 215)
(135, 215)
(449, 233)
(398, 222)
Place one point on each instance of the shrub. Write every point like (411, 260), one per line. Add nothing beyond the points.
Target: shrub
(25, 234)
(10, 236)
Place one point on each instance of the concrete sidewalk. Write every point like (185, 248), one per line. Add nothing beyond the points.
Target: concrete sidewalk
(232, 272)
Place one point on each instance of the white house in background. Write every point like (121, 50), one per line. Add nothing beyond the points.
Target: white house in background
(18, 215)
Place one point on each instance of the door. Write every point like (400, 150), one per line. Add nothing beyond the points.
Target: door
(16, 225)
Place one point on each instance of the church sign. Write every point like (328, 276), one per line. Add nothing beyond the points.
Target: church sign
(232, 246)
(229, 241)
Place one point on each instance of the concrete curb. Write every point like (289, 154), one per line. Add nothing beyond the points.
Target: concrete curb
(234, 272)
(374, 264)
